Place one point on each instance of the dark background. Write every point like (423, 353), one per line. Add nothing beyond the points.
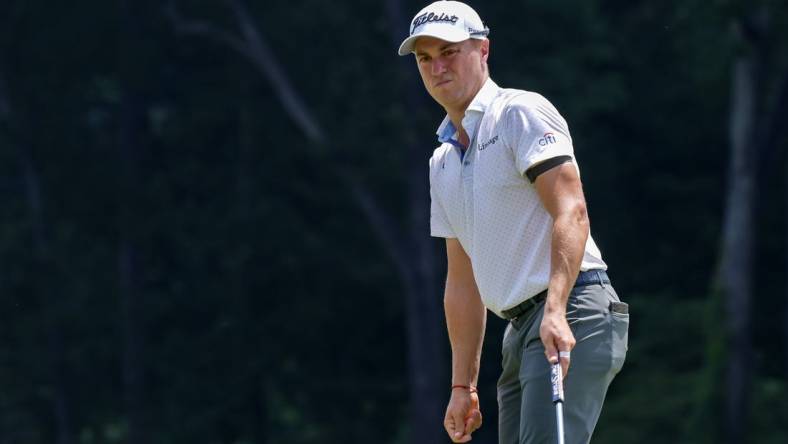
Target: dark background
(215, 216)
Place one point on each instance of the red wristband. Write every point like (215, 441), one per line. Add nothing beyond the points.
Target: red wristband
(470, 388)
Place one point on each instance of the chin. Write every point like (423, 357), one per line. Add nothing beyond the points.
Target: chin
(439, 97)
(451, 99)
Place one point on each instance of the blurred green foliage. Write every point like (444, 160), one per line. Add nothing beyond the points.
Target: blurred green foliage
(269, 312)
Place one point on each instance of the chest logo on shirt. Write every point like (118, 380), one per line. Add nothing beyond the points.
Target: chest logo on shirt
(484, 145)
(547, 139)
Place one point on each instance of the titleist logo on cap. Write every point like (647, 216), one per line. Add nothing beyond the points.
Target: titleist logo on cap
(432, 17)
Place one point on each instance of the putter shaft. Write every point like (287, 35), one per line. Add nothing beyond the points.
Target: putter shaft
(556, 379)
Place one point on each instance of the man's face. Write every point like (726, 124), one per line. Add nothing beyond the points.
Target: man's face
(452, 72)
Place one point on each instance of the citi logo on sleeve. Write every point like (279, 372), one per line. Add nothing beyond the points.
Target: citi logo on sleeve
(484, 145)
(547, 139)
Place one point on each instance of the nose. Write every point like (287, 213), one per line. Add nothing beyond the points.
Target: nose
(438, 66)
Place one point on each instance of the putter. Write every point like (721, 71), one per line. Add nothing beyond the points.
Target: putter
(556, 378)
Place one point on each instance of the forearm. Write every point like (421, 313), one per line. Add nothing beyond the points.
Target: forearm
(570, 233)
(465, 319)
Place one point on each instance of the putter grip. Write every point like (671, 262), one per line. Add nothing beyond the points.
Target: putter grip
(558, 385)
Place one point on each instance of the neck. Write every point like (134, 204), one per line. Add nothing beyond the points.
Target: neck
(456, 117)
(456, 113)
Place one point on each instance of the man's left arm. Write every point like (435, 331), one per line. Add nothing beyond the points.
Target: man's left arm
(561, 193)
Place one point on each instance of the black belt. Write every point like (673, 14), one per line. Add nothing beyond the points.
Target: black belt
(584, 278)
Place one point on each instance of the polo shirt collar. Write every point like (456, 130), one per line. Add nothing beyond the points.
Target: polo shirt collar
(484, 97)
(479, 104)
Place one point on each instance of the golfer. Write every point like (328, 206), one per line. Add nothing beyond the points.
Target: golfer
(506, 195)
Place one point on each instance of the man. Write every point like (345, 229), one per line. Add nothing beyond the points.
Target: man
(507, 197)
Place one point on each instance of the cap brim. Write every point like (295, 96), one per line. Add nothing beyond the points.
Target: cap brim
(452, 35)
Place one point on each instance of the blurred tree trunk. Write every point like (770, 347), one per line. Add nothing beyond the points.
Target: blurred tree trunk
(55, 344)
(426, 335)
(55, 347)
(776, 129)
(737, 260)
(410, 248)
(130, 141)
(255, 400)
(128, 274)
(761, 41)
(735, 274)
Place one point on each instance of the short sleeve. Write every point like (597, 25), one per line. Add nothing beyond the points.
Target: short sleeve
(536, 132)
(439, 222)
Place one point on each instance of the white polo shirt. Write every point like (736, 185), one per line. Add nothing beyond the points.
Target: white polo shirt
(485, 200)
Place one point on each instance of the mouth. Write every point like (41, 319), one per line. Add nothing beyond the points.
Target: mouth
(441, 83)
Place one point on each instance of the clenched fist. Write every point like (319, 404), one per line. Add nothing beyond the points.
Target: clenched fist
(463, 416)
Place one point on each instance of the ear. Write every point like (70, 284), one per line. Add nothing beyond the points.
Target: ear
(485, 50)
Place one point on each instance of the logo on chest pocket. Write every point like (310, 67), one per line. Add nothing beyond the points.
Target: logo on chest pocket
(484, 145)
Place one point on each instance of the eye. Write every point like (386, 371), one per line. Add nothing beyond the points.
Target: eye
(423, 59)
(450, 52)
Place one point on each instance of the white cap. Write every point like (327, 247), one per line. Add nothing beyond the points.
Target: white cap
(446, 20)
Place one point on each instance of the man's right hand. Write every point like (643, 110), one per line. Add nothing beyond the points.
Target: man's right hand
(463, 416)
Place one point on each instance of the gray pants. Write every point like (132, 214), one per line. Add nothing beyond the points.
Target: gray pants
(526, 413)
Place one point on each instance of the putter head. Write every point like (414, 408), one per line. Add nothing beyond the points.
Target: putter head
(556, 379)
